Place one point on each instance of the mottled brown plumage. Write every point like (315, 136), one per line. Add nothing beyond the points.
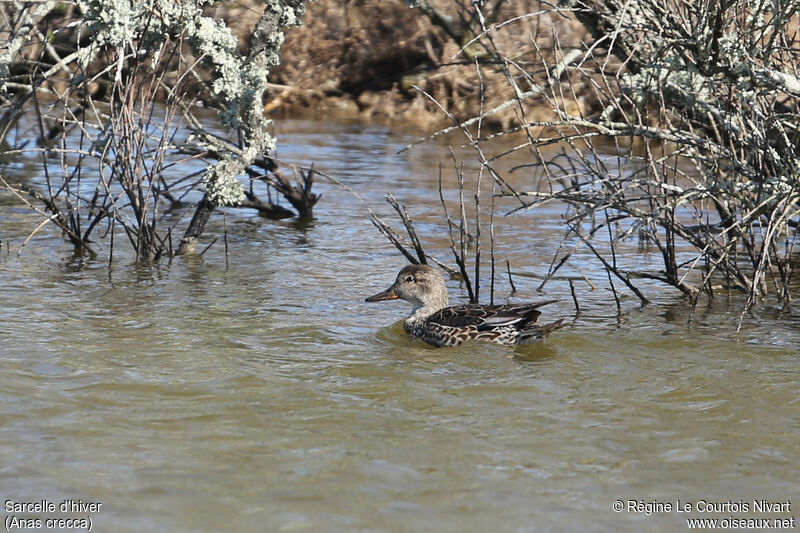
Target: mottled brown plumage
(435, 323)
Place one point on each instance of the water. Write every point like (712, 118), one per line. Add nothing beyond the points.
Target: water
(267, 396)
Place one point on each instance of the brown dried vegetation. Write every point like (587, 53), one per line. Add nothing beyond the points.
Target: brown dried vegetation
(379, 58)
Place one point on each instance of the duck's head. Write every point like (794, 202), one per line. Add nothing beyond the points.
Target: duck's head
(421, 285)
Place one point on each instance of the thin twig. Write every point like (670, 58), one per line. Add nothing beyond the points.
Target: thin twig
(574, 298)
(510, 279)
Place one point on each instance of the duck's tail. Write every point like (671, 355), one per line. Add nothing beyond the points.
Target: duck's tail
(537, 332)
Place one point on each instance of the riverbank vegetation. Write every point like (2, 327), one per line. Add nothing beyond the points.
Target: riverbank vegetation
(678, 121)
(106, 94)
(691, 146)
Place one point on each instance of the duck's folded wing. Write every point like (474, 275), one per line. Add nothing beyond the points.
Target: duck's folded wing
(459, 316)
(507, 317)
(486, 317)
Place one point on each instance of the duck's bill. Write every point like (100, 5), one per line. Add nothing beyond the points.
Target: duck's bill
(388, 294)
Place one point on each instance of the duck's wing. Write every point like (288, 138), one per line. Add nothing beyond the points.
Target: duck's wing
(488, 317)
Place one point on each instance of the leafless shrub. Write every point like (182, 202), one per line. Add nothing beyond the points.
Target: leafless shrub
(692, 144)
(110, 90)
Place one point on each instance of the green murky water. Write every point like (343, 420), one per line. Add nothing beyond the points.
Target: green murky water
(267, 396)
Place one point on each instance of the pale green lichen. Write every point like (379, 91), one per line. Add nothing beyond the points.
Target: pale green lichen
(9, 49)
(143, 27)
(113, 22)
(6, 55)
(237, 82)
(118, 23)
(221, 184)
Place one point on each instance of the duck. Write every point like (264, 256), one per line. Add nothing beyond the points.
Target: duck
(438, 324)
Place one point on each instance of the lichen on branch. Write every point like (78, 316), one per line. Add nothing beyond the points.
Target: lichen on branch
(237, 82)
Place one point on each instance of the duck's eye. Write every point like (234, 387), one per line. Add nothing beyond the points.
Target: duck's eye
(409, 279)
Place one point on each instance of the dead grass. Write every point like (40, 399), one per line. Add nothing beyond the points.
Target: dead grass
(377, 58)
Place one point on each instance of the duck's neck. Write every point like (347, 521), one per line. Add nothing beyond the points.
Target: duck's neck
(420, 312)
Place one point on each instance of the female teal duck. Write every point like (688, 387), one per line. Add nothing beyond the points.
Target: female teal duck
(435, 323)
